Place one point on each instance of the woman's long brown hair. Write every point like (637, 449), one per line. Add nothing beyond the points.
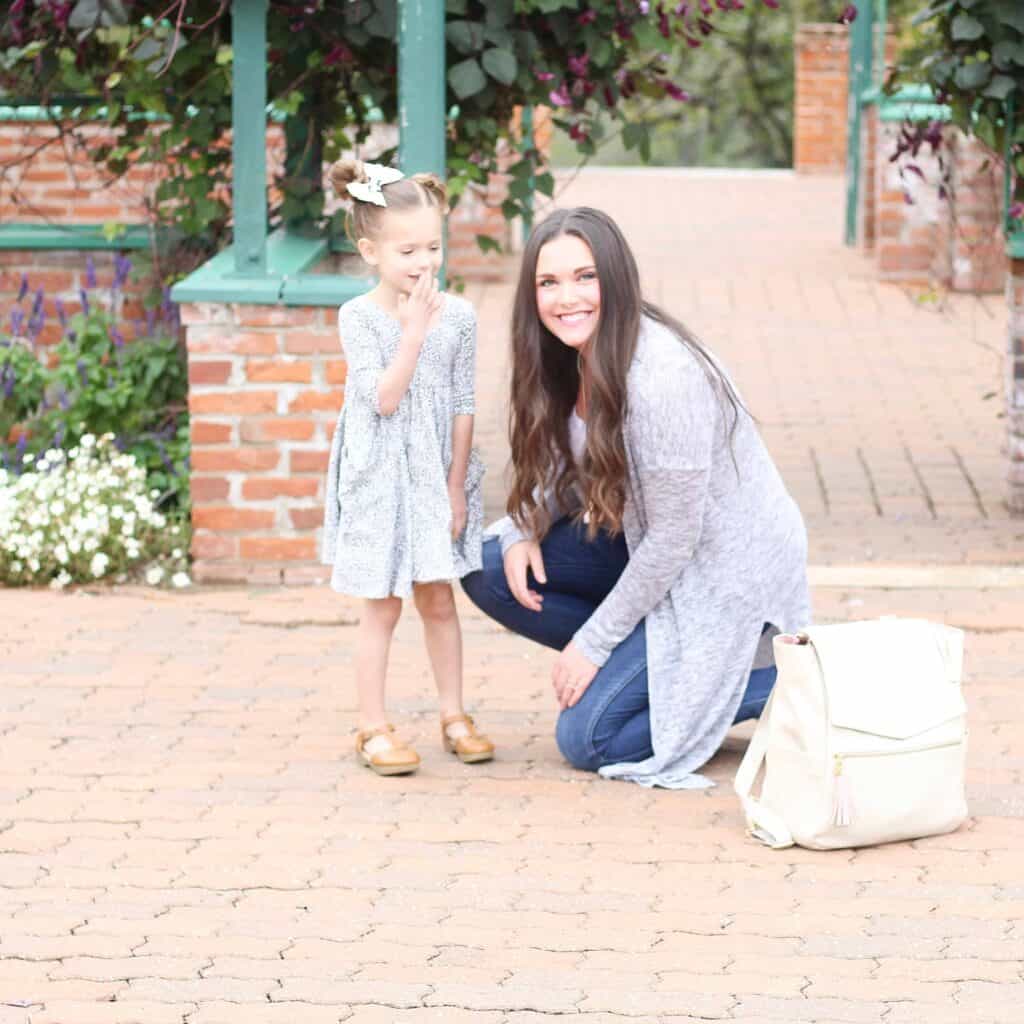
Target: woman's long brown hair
(546, 381)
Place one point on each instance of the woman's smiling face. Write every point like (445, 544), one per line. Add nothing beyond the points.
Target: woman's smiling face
(568, 291)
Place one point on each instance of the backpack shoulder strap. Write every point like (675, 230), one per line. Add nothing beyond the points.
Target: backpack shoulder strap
(763, 824)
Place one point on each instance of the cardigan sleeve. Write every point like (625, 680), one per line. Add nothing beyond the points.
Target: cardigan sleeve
(671, 431)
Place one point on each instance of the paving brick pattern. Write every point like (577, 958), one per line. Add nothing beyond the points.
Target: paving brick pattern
(185, 836)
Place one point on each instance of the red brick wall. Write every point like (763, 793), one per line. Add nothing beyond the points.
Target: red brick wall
(265, 387)
(819, 111)
(47, 190)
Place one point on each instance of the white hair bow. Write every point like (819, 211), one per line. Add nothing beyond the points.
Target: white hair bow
(377, 176)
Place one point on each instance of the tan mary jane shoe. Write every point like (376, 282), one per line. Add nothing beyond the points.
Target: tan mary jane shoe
(469, 747)
(381, 750)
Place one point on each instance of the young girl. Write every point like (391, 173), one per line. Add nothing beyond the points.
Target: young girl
(404, 514)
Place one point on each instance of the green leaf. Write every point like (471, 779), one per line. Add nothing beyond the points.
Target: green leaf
(965, 28)
(545, 184)
(465, 36)
(1007, 52)
(225, 55)
(1000, 87)
(488, 244)
(501, 65)
(601, 53)
(466, 78)
(1010, 12)
(972, 76)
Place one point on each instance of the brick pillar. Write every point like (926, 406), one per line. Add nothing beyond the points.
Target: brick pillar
(265, 387)
(911, 238)
(977, 244)
(1015, 387)
(819, 122)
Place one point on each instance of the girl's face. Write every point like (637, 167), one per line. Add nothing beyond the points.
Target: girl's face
(408, 245)
(568, 291)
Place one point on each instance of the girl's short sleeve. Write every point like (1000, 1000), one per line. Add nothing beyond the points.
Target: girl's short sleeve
(363, 354)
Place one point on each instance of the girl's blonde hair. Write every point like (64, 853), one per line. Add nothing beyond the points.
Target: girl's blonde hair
(364, 219)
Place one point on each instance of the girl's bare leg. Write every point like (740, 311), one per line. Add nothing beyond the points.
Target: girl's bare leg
(373, 644)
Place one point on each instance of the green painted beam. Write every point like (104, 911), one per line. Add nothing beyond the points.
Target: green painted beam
(71, 237)
(421, 86)
(286, 280)
(249, 135)
(861, 53)
(1015, 245)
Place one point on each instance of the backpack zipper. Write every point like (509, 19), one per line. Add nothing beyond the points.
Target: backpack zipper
(842, 795)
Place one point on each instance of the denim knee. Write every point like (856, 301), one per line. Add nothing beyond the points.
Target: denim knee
(487, 587)
(572, 734)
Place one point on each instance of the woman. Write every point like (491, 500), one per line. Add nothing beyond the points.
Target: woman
(650, 538)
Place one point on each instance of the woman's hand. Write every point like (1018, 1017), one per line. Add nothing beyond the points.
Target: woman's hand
(416, 310)
(457, 498)
(518, 559)
(572, 674)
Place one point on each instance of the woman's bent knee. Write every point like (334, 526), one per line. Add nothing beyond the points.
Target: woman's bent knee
(487, 588)
(572, 734)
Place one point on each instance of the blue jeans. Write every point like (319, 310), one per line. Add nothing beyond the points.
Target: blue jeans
(611, 722)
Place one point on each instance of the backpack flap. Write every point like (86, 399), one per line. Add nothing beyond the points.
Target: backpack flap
(894, 678)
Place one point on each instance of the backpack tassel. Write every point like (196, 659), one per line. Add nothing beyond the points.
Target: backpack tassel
(842, 796)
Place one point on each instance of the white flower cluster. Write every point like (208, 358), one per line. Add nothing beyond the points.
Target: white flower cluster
(83, 515)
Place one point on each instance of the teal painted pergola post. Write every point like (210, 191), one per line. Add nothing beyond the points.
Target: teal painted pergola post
(862, 44)
(249, 138)
(421, 86)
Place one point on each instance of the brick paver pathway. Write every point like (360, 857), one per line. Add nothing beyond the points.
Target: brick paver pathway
(185, 836)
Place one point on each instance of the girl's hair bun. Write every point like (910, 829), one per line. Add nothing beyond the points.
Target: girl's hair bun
(343, 173)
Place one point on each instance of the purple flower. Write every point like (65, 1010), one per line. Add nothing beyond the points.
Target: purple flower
(62, 315)
(84, 300)
(849, 15)
(705, 26)
(663, 24)
(673, 90)
(7, 379)
(35, 324)
(117, 337)
(83, 372)
(90, 272)
(23, 290)
(692, 42)
(645, 7)
(682, 9)
(62, 399)
(706, 8)
(587, 18)
(19, 450)
(544, 76)
(1016, 211)
(773, 4)
(560, 97)
(37, 306)
(578, 65)
(17, 321)
(150, 322)
(578, 133)
(122, 267)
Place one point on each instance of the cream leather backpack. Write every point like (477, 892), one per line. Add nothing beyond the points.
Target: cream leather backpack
(863, 739)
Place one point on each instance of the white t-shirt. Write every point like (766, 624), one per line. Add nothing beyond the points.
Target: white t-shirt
(577, 437)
